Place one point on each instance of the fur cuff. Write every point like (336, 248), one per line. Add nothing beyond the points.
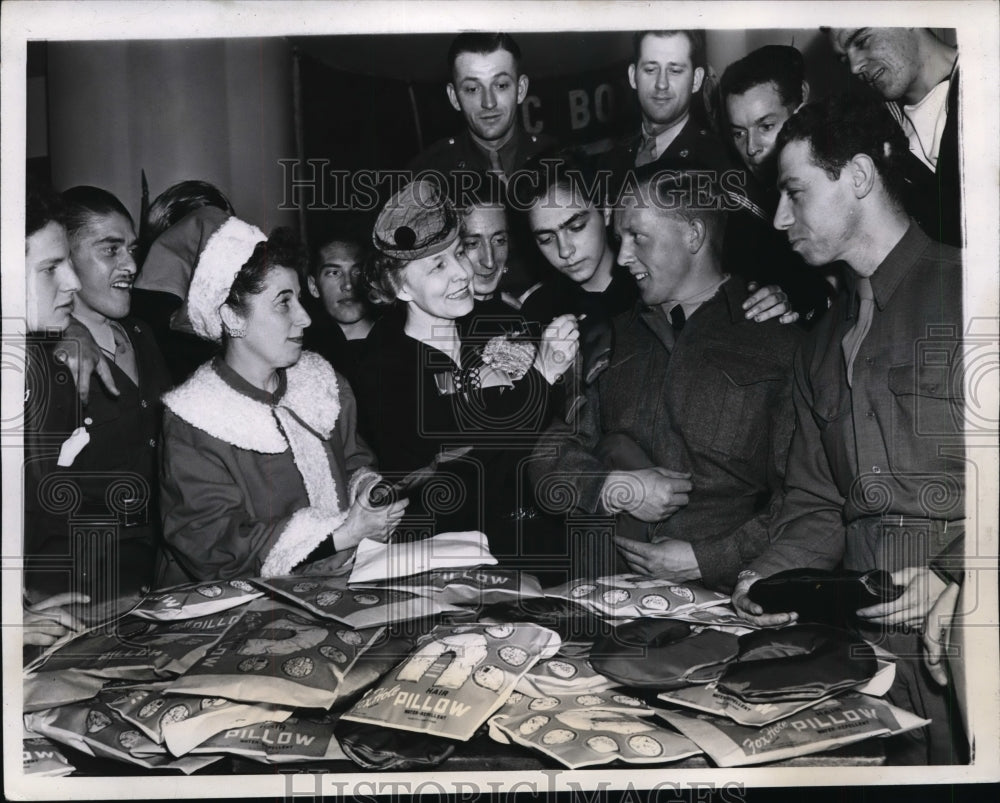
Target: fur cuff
(306, 530)
(362, 475)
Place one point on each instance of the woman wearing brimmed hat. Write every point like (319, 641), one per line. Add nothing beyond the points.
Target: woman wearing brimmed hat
(263, 470)
(436, 383)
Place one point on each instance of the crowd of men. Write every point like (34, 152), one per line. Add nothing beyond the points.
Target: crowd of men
(730, 434)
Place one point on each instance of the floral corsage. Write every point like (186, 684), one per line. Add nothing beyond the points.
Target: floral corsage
(513, 357)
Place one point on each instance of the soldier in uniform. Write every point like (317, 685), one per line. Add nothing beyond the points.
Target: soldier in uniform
(487, 87)
(667, 72)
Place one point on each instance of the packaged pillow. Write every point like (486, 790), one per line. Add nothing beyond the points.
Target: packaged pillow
(330, 598)
(583, 730)
(375, 561)
(293, 739)
(611, 700)
(628, 596)
(718, 617)
(571, 621)
(280, 655)
(713, 700)
(98, 730)
(479, 586)
(195, 600)
(44, 759)
(455, 679)
(59, 687)
(849, 718)
(184, 722)
(138, 649)
(566, 672)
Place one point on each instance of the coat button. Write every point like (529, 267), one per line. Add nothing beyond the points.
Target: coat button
(876, 470)
(684, 153)
(152, 443)
(451, 141)
(870, 414)
(143, 404)
(869, 360)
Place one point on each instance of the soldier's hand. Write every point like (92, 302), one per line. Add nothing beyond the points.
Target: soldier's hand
(649, 494)
(922, 589)
(80, 353)
(751, 611)
(768, 302)
(672, 560)
(49, 620)
(937, 629)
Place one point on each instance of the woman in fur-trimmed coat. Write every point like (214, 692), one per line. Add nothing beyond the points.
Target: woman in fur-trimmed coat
(263, 470)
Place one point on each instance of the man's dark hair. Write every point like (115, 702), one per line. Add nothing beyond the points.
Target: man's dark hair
(483, 43)
(781, 65)
(42, 206)
(282, 248)
(695, 37)
(178, 201)
(347, 236)
(568, 169)
(840, 127)
(84, 203)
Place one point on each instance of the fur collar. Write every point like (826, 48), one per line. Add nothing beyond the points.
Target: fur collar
(210, 404)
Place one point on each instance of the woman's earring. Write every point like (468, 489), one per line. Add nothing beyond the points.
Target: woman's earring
(236, 332)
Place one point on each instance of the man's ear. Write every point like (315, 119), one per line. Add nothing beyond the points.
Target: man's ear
(631, 76)
(231, 319)
(699, 76)
(522, 88)
(862, 174)
(313, 289)
(805, 95)
(453, 97)
(696, 234)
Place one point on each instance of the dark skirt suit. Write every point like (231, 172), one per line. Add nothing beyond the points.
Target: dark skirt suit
(418, 404)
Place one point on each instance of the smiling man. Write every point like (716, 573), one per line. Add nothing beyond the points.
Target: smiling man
(876, 468)
(667, 73)
(123, 430)
(693, 462)
(917, 75)
(487, 87)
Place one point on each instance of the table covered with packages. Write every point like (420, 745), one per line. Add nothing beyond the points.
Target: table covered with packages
(427, 655)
